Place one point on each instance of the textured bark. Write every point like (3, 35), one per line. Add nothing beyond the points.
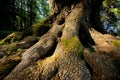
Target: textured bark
(71, 49)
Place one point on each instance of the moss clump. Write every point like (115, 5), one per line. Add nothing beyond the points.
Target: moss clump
(73, 44)
(116, 43)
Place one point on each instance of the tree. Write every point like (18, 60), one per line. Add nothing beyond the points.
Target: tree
(72, 49)
(6, 17)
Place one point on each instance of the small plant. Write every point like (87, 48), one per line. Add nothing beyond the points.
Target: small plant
(19, 50)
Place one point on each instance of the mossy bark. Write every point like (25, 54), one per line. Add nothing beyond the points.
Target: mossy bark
(71, 49)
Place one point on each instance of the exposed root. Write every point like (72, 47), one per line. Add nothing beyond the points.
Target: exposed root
(102, 66)
(39, 50)
(102, 60)
(7, 65)
(48, 68)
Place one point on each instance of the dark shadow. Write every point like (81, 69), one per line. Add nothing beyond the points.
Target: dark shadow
(85, 37)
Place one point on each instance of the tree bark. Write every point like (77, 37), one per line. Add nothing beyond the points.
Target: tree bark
(70, 50)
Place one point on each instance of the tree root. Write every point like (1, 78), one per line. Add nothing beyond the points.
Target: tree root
(39, 50)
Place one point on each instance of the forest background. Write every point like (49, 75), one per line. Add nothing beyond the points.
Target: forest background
(18, 15)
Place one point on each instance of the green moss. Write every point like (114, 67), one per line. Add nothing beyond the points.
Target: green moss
(40, 28)
(19, 51)
(7, 39)
(12, 38)
(116, 43)
(73, 44)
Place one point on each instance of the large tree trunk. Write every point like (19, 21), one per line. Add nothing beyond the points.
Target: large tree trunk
(72, 49)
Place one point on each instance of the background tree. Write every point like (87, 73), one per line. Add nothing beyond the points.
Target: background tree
(6, 10)
(43, 8)
(18, 15)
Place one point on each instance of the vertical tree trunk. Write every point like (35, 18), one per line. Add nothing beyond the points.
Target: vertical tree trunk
(31, 12)
(67, 51)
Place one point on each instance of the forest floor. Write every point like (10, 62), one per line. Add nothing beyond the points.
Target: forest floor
(106, 56)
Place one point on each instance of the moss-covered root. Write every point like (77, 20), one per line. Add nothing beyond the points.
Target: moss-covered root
(40, 70)
(7, 64)
(17, 36)
(11, 49)
(60, 66)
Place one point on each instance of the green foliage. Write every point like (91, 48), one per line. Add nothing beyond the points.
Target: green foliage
(112, 6)
(116, 11)
(111, 13)
(43, 8)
